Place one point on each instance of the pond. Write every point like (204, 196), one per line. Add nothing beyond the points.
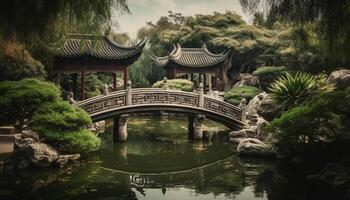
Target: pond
(157, 162)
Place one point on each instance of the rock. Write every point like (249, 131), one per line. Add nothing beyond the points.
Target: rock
(340, 78)
(98, 127)
(22, 164)
(40, 154)
(31, 134)
(254, 147)
(247, 79)
(268, 109)
(20, 143)
(254, 104)
(333, 176)
(62, 160)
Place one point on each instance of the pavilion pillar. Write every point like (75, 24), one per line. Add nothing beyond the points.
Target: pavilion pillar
(174, 72)
(82, 84)
(115, 81)
(217, 84)
(199, 78)
(209, 83)
(204, 82)
(192, 77)
(125, 77)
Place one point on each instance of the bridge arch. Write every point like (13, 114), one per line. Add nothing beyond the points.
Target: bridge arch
(145, 100)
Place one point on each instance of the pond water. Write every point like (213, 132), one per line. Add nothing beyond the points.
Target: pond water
(157, 162)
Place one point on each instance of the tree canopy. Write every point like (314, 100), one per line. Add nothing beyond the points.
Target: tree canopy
(252, 45)
(326, 19)
(32, 21)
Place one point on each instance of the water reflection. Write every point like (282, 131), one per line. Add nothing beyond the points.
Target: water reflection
(157, 162)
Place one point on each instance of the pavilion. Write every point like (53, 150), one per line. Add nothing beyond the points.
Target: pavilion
(189, 61)
(84, 54)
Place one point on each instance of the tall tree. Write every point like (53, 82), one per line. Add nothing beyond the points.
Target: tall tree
(330, 17)
(32, 21)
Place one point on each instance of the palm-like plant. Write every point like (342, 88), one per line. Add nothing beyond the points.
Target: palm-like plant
(290, 90)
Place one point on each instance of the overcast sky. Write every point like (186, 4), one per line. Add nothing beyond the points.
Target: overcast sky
(151, 10)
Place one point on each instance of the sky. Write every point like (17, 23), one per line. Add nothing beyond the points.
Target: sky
(143, 11)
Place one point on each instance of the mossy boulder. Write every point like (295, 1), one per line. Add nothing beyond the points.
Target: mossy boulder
(176, 84)
(236, 94)
(268, 74)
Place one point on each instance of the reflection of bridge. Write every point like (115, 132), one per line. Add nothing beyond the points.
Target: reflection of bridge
(132, 101)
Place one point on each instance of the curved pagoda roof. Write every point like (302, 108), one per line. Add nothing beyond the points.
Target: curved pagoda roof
(191, 57)
(98, 47)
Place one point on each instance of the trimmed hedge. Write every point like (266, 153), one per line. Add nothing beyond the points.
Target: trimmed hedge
(64, 127)
(176, 84)
(236, 94)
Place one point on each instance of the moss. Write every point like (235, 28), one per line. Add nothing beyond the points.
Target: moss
(269, 74)
(236, 94)
(176, 84)
(275, 70)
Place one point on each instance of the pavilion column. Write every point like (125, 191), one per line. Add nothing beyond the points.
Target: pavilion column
(209, 82)
(217, 80)
(205, 81)
(82, 84)
(125, 77)
(174, 72)
(115, 81)
(199, 78)
(192, 77)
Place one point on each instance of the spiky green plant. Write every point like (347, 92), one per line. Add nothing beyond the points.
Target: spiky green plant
(290, 90)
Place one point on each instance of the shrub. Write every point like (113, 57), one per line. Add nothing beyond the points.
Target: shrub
(236, 94)
(291, 90)
(20, 99)
(64, 126)
(324, 119)
(176, 84)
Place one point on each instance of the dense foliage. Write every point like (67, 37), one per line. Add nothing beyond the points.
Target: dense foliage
(252, 46)
(236, 94)
(176, 84)
(38, 22)
(325, 20)
(20, 99)
(64, 126)
(291, 90)
(17, 63)
(325, 119)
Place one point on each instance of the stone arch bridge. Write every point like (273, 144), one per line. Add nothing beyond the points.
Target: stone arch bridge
(120, 104)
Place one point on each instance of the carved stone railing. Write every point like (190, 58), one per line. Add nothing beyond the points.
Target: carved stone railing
(155, 96)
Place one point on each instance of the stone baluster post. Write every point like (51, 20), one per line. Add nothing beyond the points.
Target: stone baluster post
(165, 83)
(128, 94)
(201, 96)
(243, 106)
